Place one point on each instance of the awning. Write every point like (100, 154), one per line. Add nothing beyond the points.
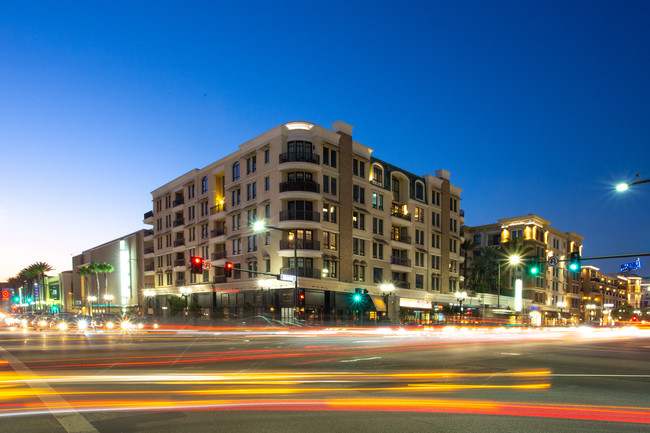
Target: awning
(380, 305)
(380, 240)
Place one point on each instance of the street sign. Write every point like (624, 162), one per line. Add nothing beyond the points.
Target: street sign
(207, 265)
(287, 277)
(553, 261)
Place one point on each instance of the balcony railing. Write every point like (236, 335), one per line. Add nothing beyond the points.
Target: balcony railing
(180, 262)
(397, 212)
(178, 202)
(217, 208)
(148, 232)
(402, 261)
(217, 232)
(179, 222)
(219, 279)
(299, 156)
(462, 212)
(180, 282)
(300, 215)
(149, 285)
(402, 285)
(179, 242)
(148, 214)
(303, 272)
(300, 185)
(401, 238)
(218, 255)
(149, 250)
(303, 244)
(150, 267)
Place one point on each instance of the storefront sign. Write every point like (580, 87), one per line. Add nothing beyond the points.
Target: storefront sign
(414, 303)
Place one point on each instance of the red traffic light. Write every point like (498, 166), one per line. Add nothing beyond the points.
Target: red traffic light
(197, 260)
(302, 296)
(229, 266)
(197, 264)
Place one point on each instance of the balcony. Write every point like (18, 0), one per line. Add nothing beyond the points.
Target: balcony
(299, 215)
(217, 232)
(300, 185)
(180, 262)
(402, 285)
(303, 244)
(149, 250)
(179, 242)
(150, 267)
(179, 222)
(148, 232)
(400, 238)
(219, 279)
(148, 214)
(401, 261)
(219, 255)
(221, 207)
(304, 272)
(178, 202)
(397, 212)
(299, 157)
(180, 282)
(462, 213)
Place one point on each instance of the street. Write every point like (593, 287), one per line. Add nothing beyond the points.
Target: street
(325, 379)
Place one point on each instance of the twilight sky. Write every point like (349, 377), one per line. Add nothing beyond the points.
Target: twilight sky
(533, 106)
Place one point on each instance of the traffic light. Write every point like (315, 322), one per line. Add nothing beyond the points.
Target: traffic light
(301, 297)
(357, 295)
(534, 267)
(574, 263)
(228, 269)
(17, 299)
(197, 265)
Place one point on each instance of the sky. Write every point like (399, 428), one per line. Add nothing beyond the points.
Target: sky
(533, 106)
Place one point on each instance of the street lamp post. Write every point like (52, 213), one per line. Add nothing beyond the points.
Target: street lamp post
(512, 260)
(148, 294)
(623, 186)
(108, 299)
(388, 290)
(460, 297)
(185, 292)
(91, 299)
(562, 305)
(260, 226)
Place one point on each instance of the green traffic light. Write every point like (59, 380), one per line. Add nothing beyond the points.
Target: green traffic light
(573, 266)
(534, 270)
(357, 298)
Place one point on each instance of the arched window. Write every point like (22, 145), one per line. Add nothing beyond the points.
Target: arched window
(419, 190)
(204, 185)
(377, 175)
(235, 171)
(395, 188)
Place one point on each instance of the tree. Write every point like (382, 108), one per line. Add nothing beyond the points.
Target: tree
(84, 271)
(96, 268)
(176, 304)
(467, 246)
(39, 269)
(106, 268)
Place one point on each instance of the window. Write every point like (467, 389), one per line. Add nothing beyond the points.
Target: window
(358, 168)
(168, 202)
(516, 234)
(435, 197)
(377, 201)
(435, 283)
(205, 233)
(267, 156)
(395, 189)
(267, 183)
(267, 263)
(377, 275)
(205, 210)
(377, 251)
(191, 213)
(204, 185)
(377, 226)
(453, 245)
(419, 214)
(435, 262)
(332, 267)
(359, 273)
(326, 184)
(358, 194)
(453, 225)
(251, 191)
(251, 165)
(419, 281)
(435, 219)
(326, 156)
(329, 213)
(435, 240)
(419, 237)
(267, 211)
(333, 186)
(236, 246)
(419, 191)
(377, 175)
(477, 239)
(358, 220)
(252, 217)
(190, 192)
(453, 204)
(332, 158)
(453, 285)
(420, 260)
(358, 246)
(252, 243)
(236, 197)
(235, 172)
(453, 266)
(236, 222)
(329, 241)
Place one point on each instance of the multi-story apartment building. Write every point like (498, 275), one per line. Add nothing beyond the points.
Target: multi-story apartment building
(601, 293)
(555, 290)
(349, 219)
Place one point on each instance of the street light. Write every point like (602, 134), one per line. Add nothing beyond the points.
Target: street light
(108, 299)
(185, 292)
(148, 294)
(388, 290)
(261, 226)
(562, 305)
(623, 186)
(512, 260)
(460, 297)
(91, 299)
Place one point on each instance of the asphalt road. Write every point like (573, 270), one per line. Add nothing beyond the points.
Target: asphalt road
(324, 380)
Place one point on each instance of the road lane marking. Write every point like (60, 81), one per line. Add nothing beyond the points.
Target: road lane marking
(510, 354)
(360, 359)
(71, 420)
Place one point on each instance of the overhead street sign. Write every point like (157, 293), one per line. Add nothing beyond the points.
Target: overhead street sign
(287, 277)
(553, 261)
(207, 265)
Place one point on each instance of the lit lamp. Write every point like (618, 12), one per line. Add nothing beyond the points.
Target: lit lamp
(148, 294)
(185, 292)
(91, 299)
(460, 297)
(562, 305)
(623, 186)
(108, 299)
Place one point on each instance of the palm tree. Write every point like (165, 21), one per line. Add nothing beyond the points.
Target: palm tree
(96, 268)
(106, 269)
(39, 269)
(83, 271)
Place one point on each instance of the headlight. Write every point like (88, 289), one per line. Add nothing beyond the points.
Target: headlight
(62, 326)
(42, 323)
(155, 326)
(82, 324)
(126, 324)
(109, 325)
(23, 322)
(140, 326)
